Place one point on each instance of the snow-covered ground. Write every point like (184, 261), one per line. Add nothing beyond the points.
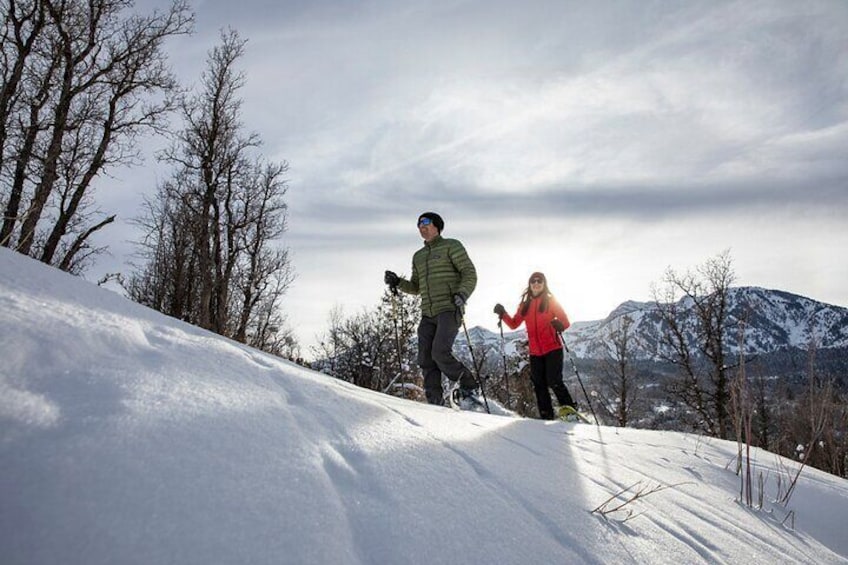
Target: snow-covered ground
(130, 437)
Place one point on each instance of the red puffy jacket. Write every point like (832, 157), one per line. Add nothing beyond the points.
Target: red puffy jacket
(541, 335)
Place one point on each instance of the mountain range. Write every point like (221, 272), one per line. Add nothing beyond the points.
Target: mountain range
(776, 322)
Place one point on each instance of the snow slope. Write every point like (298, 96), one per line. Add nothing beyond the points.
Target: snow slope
(130, 437)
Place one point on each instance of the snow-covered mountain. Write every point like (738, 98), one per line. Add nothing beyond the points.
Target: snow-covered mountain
(774, 320)
(130, 437)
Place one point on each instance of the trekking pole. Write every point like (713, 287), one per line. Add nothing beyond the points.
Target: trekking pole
(579, 380)
(397, 343)
(474, 362)
(503, 356)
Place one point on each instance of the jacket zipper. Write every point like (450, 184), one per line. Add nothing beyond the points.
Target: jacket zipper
(427, 278)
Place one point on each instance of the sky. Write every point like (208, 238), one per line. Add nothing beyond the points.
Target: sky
(598, 142)
(130, 437)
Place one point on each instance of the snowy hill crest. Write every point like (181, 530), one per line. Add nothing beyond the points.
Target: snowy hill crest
(130, 437)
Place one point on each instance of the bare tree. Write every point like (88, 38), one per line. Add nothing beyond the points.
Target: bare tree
(398, 316)
(261, 272)
(167, 281)
(814, 424)
(763, 412)
(502, 374)
(618, 390)
(356, 351)
(522, 393)
(363, 348)
(211, 247)
(23, 25)
(695, 315)
(81, 82)
(211, 156)
(742, 416)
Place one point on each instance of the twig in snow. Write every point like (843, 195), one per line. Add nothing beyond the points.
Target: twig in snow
(608, 507)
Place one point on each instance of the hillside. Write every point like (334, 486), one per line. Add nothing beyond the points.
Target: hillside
(131, 437)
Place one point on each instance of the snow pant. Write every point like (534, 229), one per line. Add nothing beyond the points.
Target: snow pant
(546, 373)
(435, 355)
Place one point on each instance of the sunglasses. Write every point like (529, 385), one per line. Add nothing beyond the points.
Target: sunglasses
(425, 222)
(536, 281)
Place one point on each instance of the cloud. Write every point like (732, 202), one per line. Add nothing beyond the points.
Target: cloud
(679, 110)
(719, 114)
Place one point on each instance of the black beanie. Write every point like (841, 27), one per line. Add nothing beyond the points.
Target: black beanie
(435, 218)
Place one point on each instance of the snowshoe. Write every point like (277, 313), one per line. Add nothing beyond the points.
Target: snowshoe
(464, 398)
(570, 414)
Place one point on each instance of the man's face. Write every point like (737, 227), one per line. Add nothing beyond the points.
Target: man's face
(427, 230)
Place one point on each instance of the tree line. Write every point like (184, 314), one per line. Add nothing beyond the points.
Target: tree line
(80, 83)
(83, 82)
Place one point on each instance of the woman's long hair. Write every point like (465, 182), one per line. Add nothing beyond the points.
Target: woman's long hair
(527, 296)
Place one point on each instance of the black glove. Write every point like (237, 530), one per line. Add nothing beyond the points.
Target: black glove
(558, 325)
(459, 300)
(391, 279)
(500, 310)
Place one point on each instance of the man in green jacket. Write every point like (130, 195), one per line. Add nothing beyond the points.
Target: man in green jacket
(444, 276)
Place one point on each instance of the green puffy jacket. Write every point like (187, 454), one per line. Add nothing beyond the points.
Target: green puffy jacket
(440, 269)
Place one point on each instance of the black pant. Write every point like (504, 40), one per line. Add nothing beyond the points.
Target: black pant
(435, 355)
(546, 372)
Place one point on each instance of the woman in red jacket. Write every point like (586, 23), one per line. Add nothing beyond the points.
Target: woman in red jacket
(543, 317)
